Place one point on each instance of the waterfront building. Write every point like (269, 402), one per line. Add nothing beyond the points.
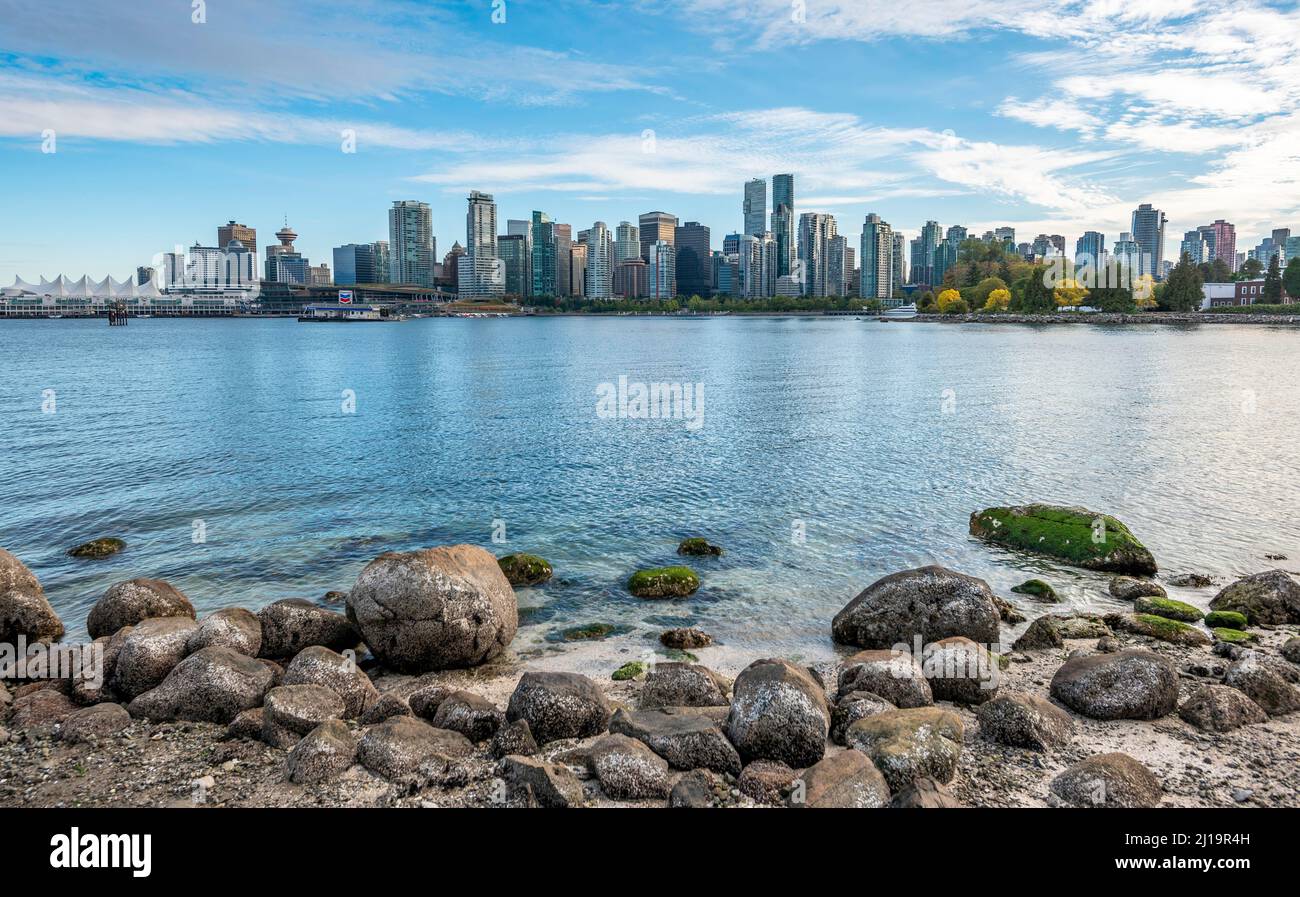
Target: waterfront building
(1091, 246)
(923, 248)
(412, 248)
(144, 274)
(655, 227)
(1128, 256)
(749, 266)
(231, 230)
(513, 251)
(899, 263)
(878, 264)
(692, 264)
(451, 266)
(1221, 242)
(480, 274)
(599, 268)
(361, 263)
(627, 242)
(1149, 234)
(577, 269)
(564, 260)
(523, 227)
(284, 264)
(816, 231)
(631, 278)
(1291, 248)
(837, 266)
(1194, 247)
(543, 259)
(319, 275)
(661, 276)
(755, 207)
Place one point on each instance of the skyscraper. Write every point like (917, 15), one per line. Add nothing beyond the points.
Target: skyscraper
(627, 242)
(661, 275)
(513, 250)
(523, 227)
(692, 242)
(1092, 245)
(899, 264)
(1194, 247)
(600, 270)
(233, 231)
(755, 207)
(816, 230)
(543, 259)
(284, 263)
(837, 266)
(1149, 234)
(411, 246)
(480, 274)
(659, 227)
(877, 259)
(358, 263)
(783, 191)
(783, 222)
(1221, 238)
(564, 260)
(923, 249)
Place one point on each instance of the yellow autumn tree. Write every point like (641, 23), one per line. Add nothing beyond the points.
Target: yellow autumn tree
(1068, 292)
(998, 300)
(947, 299)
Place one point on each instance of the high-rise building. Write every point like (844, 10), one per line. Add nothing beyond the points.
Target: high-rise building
(450, 275)
(1291, 248)
(837, 266)
(383, 267)
(899, 264)
(412, 248)
(1092, 246)
(783, 191)
(783, 222)
(816, 231)
(1194, 247)
(661, 274)
(654, 228)
(543, 261)
(1221, 239)
(1149, 234)
(284, 264)
(564, 260)
(231, 230)
(523, 227)
(755, 207)
(357, 263)
(513, 252)
(319, 275)
(480, 274)
(749, 266)
(1128, 256)
(577, 268)
(692, 243)
(923, 248)
(630, 278)
(600, 257)
(877, 260)
(627, 242)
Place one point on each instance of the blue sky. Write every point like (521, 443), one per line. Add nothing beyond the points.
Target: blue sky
(1053, 117)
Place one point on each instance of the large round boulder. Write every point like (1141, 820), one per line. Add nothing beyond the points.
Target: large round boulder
(1108, 780)
(212, 685)
(1124, 685)
(130, 602)
(435, 608)
(154, 647)
(24, 609)
(910, 744)
(894, 675)
(559, 705)
(1025, 721)
(319, 665)
(1076, 536)
(685, 739)
(960, 671)
(852, 707)
(292, 624)
(323, 753)
(292, 711)
(1221, 708)
(236, 628)
(1266, 681)
(683, 685)
(778, 712)
(1271, 597)
(407, 749)
(627, 769)
(473, 716)
(847, 780)
(926, 604)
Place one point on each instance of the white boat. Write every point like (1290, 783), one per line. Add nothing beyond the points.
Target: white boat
(901, 313)
(54, 317)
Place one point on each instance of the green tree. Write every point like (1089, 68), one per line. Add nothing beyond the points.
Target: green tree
(1291, 278)
(1035, 298)
(1250, 269)
(1183, 288)
(1112, 299)
(1273, 283)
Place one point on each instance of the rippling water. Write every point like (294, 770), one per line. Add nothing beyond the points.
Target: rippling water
(879, 439)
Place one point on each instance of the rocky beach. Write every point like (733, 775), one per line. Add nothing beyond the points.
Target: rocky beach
(945, 694)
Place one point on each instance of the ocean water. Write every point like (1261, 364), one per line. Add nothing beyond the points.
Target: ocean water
(831, 451)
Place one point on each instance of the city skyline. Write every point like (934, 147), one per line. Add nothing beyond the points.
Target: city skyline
(1192, 113)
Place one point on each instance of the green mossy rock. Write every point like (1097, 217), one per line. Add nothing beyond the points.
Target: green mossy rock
(525, 569)
(97, 548)
(663, 582)
(1169, 609)
(1225, 619)
(698, 547)
(590, 631)
(1036, 588)
(1066, 534)
(1173, 631)
(630, 670)
(1234, 636)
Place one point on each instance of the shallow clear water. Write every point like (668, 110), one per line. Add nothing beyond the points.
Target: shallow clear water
(880, 438)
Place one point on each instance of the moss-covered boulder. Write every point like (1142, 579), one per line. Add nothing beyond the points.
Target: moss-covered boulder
(698, 547)
(525, 569)
(1168, 608)
(1233, 636)
(630, 670)
(663, 582)
(1271, 597)
(1076, 536)
(97, 548)
(1173, 631)
(1225, 619)
(587, 632)
(1036, 589)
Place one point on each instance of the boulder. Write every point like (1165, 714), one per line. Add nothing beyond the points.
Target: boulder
(1191, 580)
(559, 705)
(39, 710)
(929, 603)
(93, 723)
(290, 625)
(1038, 590)
(1108, 780)
(24, 610)
(1042, 635)
(473, 716)
(685, 639)
(663, 582)
(1124, 685)
(131, 602)
(1081, 626)
(154, 647)
(1291, 650)
(514, 738)
(318, 665)
(1264, 683)
(1007, 612)
(385, 707)
(323, 753)
(627, 768)
(236, 628)
(778, 712)
(1025, 721)
(537, 783)
(212, 685)
(1221, 708)
(291, 711)
(847, 780)
(960, 671)
(910, 743)
(852, 707)
(1168, 608)
(685, 740)
(525, 569)
(1160, 628)
(1225, 619)
(1271, 597)
(404, 748)
(683, 685)
(424, 700)
(894, 675)
(925, 794)
(434, 609)
(697, 547)
(97, 549)
(766, 781)
(248, 724)
(1076, 536)
(1130, 588)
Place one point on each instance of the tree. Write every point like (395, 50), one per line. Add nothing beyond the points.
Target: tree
(1251, 268)
(1273, 283)
(1036, 298)
(979, 294)
(998, 300)
(1069, 293)
(947, 299)
(1112, 299)
(1183, 288)
(1291, 278)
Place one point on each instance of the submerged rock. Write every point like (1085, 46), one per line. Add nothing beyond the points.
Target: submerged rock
(663, 582)
(1076, 536)
(698, 547)
(929, 603)
(24, 610)
(686, 639)
(1108, 780)
(1270, 598)
(778, 712)
(1037, 589)
(1125, 685)
(1007, 611)
(131, 602)
(525, 569)
(96, 549)
(433, 609)
(1191, 581)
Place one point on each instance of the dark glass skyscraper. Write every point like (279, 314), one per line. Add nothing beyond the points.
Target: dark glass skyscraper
(693, 251)
(543, 260)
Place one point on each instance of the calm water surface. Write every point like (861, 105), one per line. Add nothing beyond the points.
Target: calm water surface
(877, 440)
